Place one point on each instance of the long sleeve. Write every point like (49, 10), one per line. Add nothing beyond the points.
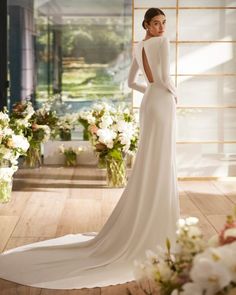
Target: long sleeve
(165, 66)
(132, 76)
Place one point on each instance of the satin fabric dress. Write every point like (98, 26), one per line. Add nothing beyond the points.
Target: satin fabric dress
(146, 213)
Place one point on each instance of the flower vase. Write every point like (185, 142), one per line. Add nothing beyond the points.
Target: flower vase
(86, 134)
(33, 156)
(5, 190)
(102, 163)
(6, 180)
(116, 172)
(65, 134)
(70, 159)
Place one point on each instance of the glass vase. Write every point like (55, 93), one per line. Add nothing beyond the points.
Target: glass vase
(116, 172)
(86, 134)
(5, 190)
(71, 159)
(65, 134)
(33, 156)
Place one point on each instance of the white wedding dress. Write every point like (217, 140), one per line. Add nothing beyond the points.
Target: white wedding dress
(146, 213)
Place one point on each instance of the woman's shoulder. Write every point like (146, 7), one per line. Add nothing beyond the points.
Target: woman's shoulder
(159, 40)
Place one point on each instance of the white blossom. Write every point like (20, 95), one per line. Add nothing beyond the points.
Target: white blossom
(19, 141)
(106, 136)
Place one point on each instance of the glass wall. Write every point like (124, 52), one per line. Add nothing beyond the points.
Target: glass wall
(203, 67)
(77, 50)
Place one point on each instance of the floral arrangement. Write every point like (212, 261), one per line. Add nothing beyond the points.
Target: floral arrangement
(12, 145)
(113, 130)
(33, 125)
(45, 116)
(113, 133)
(70, 154)
(85, 118)
(197, 267)
(66, 124)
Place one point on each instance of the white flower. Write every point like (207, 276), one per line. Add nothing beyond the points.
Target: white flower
(106, 136)
(139, 270)
(91, 119)
(165, 271)
(230, 232)
(7, 132)
(19, 141)
(194, 231)
(152, 257)
(191, 220)
(4, 117)
(6, 173)
(191, 289)
(105, 122)
(210, 275)
(181, 223)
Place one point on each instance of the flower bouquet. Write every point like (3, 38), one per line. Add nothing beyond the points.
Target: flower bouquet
(12, 145)
(70, 154)
(66, 124)
(113, 135)
(197, 267)
(25, 120)
(85, 118)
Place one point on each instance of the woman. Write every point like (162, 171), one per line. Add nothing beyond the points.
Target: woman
(148, 209)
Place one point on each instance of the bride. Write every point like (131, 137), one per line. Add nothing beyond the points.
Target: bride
(148, 209)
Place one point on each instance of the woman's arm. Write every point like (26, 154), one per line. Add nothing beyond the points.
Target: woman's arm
(132, 75)
(165, 66)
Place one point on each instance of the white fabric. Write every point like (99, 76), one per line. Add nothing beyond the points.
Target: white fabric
(144, 217)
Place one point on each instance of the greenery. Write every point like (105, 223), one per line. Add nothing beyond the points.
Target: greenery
(89, 51)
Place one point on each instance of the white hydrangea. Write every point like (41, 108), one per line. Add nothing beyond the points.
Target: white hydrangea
(4, 117)
(19, 141)
(106, 121)
(6, 173)
(210, 270)
(106, 136)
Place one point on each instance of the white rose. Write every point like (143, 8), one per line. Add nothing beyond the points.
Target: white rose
(20, 142)
(105, 122)
(211, 275)
(191, 220)
(106, 136)
(164, 270)
(4, 117)
(191, 289)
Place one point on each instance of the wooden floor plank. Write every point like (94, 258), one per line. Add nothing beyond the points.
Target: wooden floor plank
(84, 291)
(207, 198)
(228, 188)
(9, 288)
(7, 225)
(41, 216)
(80, 215)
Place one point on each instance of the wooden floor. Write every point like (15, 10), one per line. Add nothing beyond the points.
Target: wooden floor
(51, 202)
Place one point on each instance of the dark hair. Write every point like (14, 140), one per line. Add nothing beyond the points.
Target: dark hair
(150, 13)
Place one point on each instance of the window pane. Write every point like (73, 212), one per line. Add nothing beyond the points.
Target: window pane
(206, 124)
(207, 58)
(219, 90)
(207, 3)
(154, 3)
(206, 160)
(206, 24)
